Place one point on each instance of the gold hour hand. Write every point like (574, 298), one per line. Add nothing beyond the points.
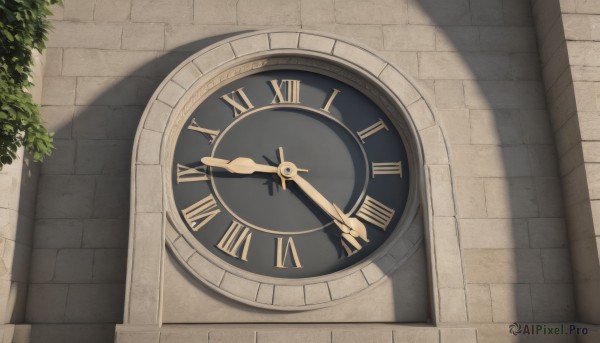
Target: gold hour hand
(240, 165)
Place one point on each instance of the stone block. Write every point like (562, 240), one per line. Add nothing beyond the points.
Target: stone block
(183, 248)
(65, 196)
(547, 233)
(187, 76)
(495, 127)
(294, 336)
(490, 161)
(494, 233)
(103, 157)
(422, 117)
(347, 285)
(149, 198)
(464, 66)
(114, 91)
(316, 43)
(470, 197)
(171, 93)
(284, 40)
(105, 233)
(442, 198)
(568, 136)
(183, 336)
(78, 10)
(449, 94)
(507, 39)
(46, 303)
(57, 233)
(503, 266)
(433, 12)
(58, 119)
(58, 90)
(457, 125)
(250, 45)
(521, 95)
(110, 266)
(405, 61)
(136, 337)
(447, 254)
(525, 66)
(288, 296)
(149, 147)
(591, 151)
(112, 10)
(584, 255)
(176, 11)
(317, 293)
(268, 12)
(479, 303)
(380, 12)
(53, 66)
(371, 35)
(359, 57)
(589, 124)
(588, 303)
(111, 199)
(400, 85)
(517, 12)
(417, 335)
(557, 266)
(67, 34)
(214, 58)
(487, 12)
(409, 37)
(215, 12)
(62, 160)
(379, 268)
(103, 122)
(449, 335)
(457, 38)
(95, 304)
(453, 308)
(512, 198)
(536, 127)
(317, 12)
(222, 336)
(240, 287)
(265, 294)
(583, 53)
(144, 36)
(511, 302)
(543, 160)
(549, 196)
(357, 336)
(43, 262)
(553, 303)
(206, 269)
(74, 266)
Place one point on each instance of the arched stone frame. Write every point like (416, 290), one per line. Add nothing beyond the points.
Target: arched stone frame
(150, 228)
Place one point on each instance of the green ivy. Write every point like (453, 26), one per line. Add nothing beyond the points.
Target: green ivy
(23, 27)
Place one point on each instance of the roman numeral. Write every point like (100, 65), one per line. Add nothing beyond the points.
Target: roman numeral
(286, 92)
(379, 125)
(235, 240)
(190, 174)
(375, 213)
(350, 244)
(378, 168)
(238, 108)
(201, 212)
(285, 250)
(208, 133)
(330, 100)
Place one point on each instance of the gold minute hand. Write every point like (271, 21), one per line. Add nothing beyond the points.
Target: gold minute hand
(240, 165)
(351, 227)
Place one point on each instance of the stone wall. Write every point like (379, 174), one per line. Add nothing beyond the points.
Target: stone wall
(476, 60)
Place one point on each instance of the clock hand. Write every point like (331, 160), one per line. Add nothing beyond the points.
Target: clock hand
(351, 227)
(241, 165)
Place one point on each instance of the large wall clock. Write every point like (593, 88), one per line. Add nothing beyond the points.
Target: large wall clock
(290, 179)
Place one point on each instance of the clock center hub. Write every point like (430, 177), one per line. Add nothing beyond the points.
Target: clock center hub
(287, 169)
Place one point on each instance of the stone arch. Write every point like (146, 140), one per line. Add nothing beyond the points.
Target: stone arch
(150, 228)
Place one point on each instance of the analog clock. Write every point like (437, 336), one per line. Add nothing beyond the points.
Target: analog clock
(289, 174)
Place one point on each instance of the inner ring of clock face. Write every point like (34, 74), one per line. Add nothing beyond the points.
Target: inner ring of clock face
(335, 159)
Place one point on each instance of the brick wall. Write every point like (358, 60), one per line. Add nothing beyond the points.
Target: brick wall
(476, 60)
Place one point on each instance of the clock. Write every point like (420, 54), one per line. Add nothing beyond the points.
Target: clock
(289, 175)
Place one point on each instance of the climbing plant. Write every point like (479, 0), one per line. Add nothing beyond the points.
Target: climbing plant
(23, 27)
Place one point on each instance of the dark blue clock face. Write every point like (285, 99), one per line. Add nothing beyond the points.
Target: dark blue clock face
(343, 164)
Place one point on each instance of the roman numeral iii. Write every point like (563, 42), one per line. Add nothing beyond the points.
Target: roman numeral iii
(286, 91)
(208, 133)
(236, 241)
(375, 213)
(378, 126)
(238, 107)
(386, 168)
(284, 250)
(190, 174)
(200, 213)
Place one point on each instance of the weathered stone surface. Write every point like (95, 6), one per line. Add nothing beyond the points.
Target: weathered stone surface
(62, 160)
(549, 195)
(448, 255)
(470, 197)
(317, 12)
(479, 303)
(371, 35)
(283, 40)
(110, 266)
(450, 335)
(58, 119)
(114, 91)
(58, 91)
(553, 303)
(422, 117)
(511, 302)
(399, 85)
(504, 95)
(94, 303)
(361, 12)
(294, 336)
(498, 266)
(490, 161)
(149, 147)
(494, 233)
(74, 266)
(449, 94)
(78, 10)
(464, 66)
(65, 196)
(67, 34)
(432, 12)
(265, 294)
(250, 45)
(317, 43)
(217, 336)
(317, 293)
(359, 57)
(105, 233)
(112, 10)
(409, 37)
(356, 336)
(143, 36)
(457, 38)
(417, 335)
(453, 308)
(176, 11)
(495, 127)
(511, 198)
(103, 157)
(149, 197)
(111, 199)
(215, 12)
(206, 269)
(441, 191)
(43, 262)
(240, 287)
(347, 285)
(46, 303)
(58, 233)
(268, 12)
(509, 39)
(557, 266)
(547, 233)
(288, 295)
